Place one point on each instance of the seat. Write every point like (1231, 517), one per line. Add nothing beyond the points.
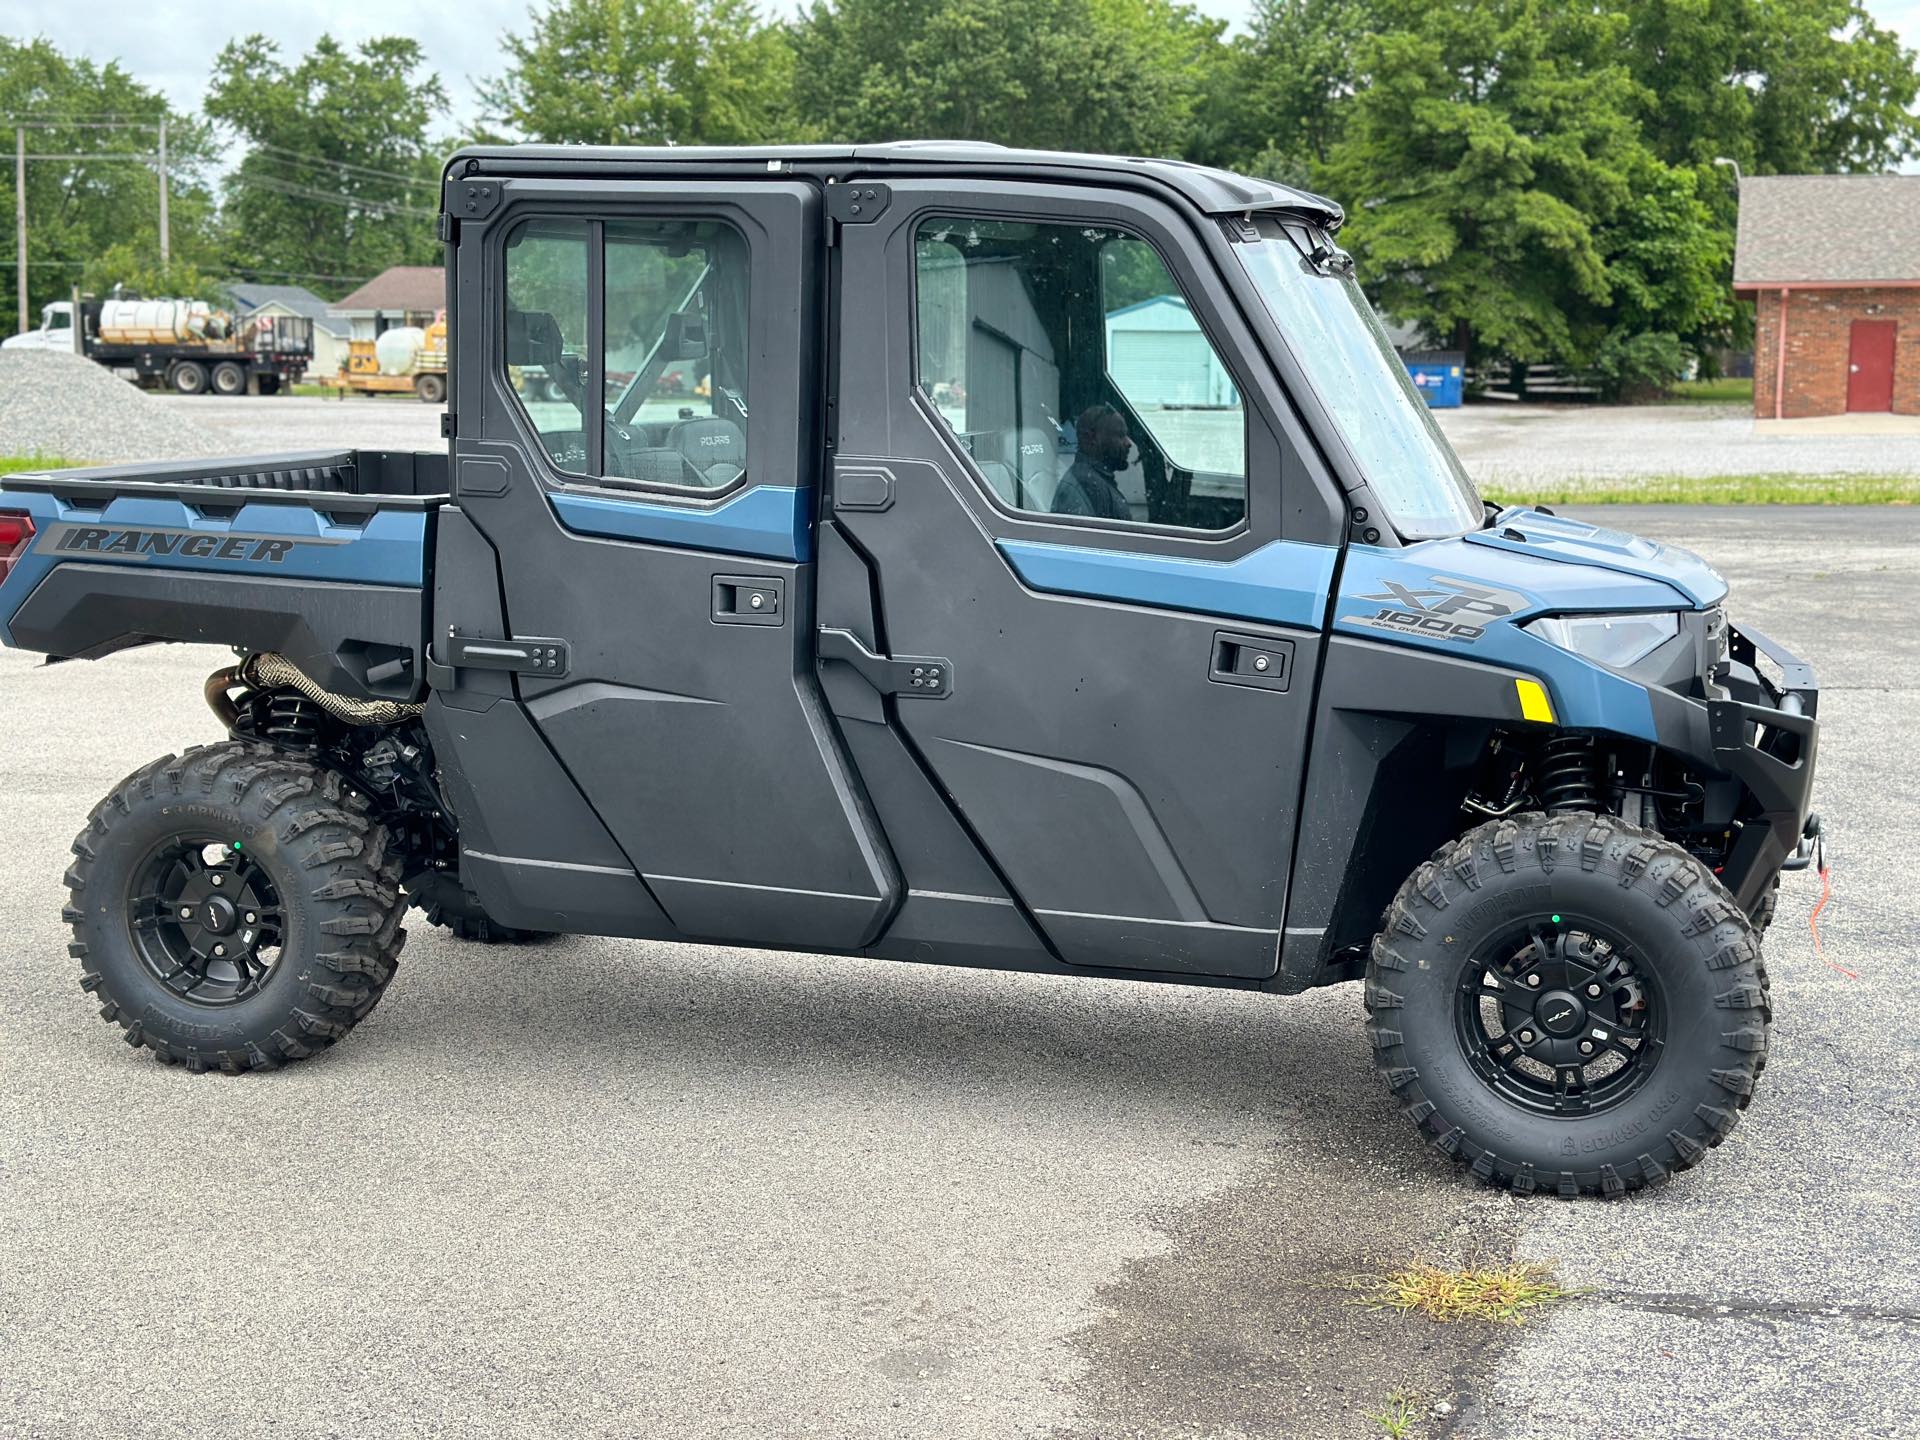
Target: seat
(1000, 479)
(1036, 462)
(714, 447)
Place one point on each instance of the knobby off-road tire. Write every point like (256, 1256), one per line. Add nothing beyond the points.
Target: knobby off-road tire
(317, 871)
(454, 908)
(1677, 959)
(1769, 905)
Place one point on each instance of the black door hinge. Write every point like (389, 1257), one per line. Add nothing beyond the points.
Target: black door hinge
(914, 677)
(857, 203)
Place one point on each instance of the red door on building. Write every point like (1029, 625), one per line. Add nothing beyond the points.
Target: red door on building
(1870, 364)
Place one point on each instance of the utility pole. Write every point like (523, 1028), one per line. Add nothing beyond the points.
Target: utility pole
(20, 217)
(165, 248)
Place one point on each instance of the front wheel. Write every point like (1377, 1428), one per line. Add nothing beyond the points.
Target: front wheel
(431, 388)
(454, 908)
(234, 908)
(1568, 1003)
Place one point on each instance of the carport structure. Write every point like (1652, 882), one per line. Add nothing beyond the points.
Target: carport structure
(1832, 265)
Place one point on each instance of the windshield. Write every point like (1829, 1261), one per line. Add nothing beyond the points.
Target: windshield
(1344, 350)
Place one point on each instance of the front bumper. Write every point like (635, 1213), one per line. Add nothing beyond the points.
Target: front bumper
(1763, 734)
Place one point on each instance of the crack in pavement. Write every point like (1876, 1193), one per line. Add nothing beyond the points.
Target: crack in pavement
(1707, 1307)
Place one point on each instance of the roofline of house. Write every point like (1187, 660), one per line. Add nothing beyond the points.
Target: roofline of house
(1756, 285)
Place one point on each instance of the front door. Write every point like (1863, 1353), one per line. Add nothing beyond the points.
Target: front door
(1870, 365)
(1055, 573)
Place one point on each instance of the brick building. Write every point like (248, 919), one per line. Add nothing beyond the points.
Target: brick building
(1833, 265)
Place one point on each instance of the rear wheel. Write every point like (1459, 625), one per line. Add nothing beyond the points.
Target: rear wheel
(1568, 1003)
(229, 379)
(234, 908)
(189, 377)
(430, 388)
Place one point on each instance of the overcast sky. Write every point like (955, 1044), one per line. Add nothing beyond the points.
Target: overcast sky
(172, 45)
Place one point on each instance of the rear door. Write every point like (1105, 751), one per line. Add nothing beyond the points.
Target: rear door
(637, 393)
(1060, 576)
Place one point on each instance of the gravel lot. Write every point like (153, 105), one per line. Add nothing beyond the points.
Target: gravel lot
(611, 1188)
(1512, 445)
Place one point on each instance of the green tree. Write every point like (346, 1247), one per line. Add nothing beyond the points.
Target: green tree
(1781, 86)
(1122, 76)
(644, 72)
(1276, 97)
(78, 211)
(1502, 191)
(340, 178)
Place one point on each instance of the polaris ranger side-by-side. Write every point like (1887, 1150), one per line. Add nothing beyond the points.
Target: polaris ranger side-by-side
(1033, 561)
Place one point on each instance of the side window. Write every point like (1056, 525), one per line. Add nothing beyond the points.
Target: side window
(676, 353)
(626, 343)
(547, 333)
(1073, 371)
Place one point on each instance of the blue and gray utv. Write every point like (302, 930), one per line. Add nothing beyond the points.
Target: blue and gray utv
(943, 553)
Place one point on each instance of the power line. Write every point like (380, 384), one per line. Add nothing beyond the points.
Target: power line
(334, 197)
(347, 165)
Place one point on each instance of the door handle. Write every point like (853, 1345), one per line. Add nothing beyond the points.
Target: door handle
(1251, 660)
(749, 600)
(913, 677)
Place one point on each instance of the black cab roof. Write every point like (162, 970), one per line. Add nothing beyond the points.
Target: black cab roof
(1213, 192)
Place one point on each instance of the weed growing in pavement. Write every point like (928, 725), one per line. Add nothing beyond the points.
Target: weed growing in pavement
(1398, 1419)
(1496, 1294)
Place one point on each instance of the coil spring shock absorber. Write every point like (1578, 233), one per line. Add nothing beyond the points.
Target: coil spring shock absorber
(286, 717)
(1567, 775)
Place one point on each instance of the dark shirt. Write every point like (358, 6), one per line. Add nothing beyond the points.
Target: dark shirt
(1089, 489)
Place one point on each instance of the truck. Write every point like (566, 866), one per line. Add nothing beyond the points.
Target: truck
(408, 359)
(910, 633)
(188, 346)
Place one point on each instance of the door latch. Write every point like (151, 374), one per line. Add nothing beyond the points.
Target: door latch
(522, 655)
(914, 677)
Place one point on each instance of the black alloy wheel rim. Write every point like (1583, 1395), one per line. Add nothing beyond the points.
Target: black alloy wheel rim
(1560, 1017)
(206, 920)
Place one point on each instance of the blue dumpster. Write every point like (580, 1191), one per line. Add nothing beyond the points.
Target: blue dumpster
(1440, 377)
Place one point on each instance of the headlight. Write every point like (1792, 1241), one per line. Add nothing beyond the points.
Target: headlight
(1616, 640)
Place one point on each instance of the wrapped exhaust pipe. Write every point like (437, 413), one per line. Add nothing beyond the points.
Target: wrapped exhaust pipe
(269, 670)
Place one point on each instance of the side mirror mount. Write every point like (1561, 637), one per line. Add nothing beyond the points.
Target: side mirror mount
(686, 337)
(533, 338)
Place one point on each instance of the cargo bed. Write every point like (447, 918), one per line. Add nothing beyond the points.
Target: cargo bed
(322, 556)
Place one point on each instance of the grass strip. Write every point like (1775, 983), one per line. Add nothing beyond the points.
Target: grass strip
(13, 464)
(1785, 489)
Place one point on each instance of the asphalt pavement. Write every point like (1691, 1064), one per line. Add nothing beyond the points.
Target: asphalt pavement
(598, 1187)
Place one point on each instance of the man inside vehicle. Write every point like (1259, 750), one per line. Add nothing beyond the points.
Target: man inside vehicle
(1089, 487)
